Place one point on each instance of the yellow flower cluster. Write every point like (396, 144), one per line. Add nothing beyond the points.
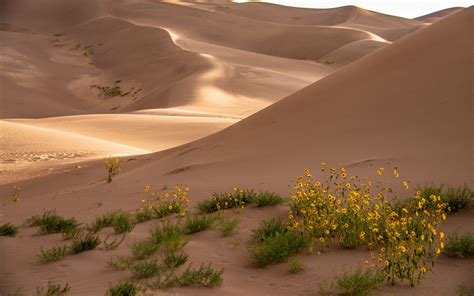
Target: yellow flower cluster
(166, 203)
(411, 240)
(113, 166)
(357, 213)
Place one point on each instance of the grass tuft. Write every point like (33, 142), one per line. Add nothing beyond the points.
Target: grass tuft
(277, 248)
(145, 269)
(358, 283)
(459, 246)
(8, 230)
(227, 225)
(119, 263)
(173, 260)
(144, 249)
(53, 290)
(295, 265)
(236, 199)
(126, 288)
(205, 276)
(198, 223)
(84, 242)
(121, 223)
(268, 229)
(267, 198)
(170, 235)
(49, 223)
(53, 254)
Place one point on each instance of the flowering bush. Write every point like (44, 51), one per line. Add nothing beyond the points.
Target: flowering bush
(404, 243)
(166, 203)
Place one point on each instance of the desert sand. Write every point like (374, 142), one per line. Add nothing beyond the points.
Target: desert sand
(215, 94)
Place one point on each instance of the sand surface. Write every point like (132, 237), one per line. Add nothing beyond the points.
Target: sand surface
(216, 94)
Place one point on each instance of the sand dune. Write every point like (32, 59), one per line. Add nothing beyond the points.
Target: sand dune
(437, 15)
(203, 67)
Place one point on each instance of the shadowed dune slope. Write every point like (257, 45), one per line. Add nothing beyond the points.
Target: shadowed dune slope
(141, 57)
(410, 103)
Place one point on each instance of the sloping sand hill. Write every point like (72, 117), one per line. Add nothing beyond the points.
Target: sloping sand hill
(409, 103)
(437, 15)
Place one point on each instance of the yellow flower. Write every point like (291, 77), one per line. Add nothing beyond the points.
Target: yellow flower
(441, 244)
(348, 185)
(343, 175)
(380, 171)
(423, 269)
(441, 235)
(406, 184)
(366, 262)
(170, 207)
(438, 251)
(343, 210)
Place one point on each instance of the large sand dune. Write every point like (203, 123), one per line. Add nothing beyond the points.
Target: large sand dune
(204, 67)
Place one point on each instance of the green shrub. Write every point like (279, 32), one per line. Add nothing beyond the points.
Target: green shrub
(277, 248)
(84, 242)
(8, 230)
(145, 269)
(173, 260)
(144, 249)
(295, 265)
(121, 223)
(460, 246)
(198, 223)
(457, 198)
(144, 215)
(462, 290)
(49, 222)
(126, 288)
(358, 283)
(268, 229)
(228, 225)
(108, 220)
(267, 198)
(205, 276)
(119, 263)
(114, 243)
(221, 201)
(53, 290)
(53, 254)
(170, 235)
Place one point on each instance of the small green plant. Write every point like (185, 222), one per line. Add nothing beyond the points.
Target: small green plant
(277, 248)
(8, 230)
(462, 290)
(114, 243)
(227, 226)
(457, 198)
(358, 283)
(53, 254)
(173, 260)
(268, 229)
(53, 290)
(85, 241)
(143, 215)
(113, 166)
(119, 263)
(198, 223)
(121, 223)
(49, 223)
(205, 276)
(126, 288)
(145, 269)
(267, 198)
(144, 249)
(170, 235)
(236, 199)
(106, 220)
(460, 246)
(295, 265)
(16, 194)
